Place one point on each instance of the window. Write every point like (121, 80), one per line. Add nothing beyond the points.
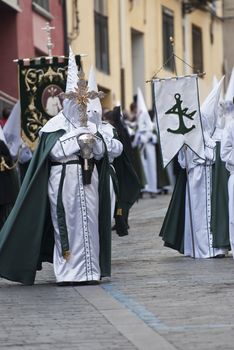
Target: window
(197, 49)
(101, 35)
(168, 31)
(43, 4)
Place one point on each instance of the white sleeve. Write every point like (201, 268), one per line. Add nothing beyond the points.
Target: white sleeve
(98, 148)
(25, 154)
(210, 146)
(227, 148)
(65, 146)
(114, 147)
(181, 158)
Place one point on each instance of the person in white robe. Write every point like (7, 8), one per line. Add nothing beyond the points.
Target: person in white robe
(146, 139)
(12, 132)
(227, 155)
(113, 145)
(198, 240)
(198, 237)
(80, 201)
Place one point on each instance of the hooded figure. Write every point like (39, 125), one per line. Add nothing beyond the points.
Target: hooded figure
(9, 184)
(146, 139)
(228, 100)
(226, 153)
(128, 184)
(113, 145)
(62, 215)
(18, 149)
(187, 225)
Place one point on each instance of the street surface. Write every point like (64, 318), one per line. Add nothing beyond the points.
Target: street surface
(156, 299)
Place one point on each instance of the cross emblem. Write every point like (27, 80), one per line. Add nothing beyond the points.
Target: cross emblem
(49, 45)
(82, 96)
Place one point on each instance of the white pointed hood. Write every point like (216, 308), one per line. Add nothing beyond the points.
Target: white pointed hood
(70, 107)
(12, 130)
(2, 137)
(209, 108)
(215, 81)
(230, 89)
(228, 106)
(72, 73)
(144, 121)
(94, 107)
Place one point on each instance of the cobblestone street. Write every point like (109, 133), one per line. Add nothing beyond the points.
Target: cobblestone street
(156, 299)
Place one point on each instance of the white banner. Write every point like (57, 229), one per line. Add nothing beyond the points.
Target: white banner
(178, 116)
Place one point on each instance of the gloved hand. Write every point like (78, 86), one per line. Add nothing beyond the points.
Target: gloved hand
(25, 154)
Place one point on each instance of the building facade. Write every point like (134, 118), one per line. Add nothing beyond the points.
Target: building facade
(228, 26)
(21, 23)
(128, 41)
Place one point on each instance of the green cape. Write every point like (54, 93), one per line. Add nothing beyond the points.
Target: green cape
(129, 189)
(27, 238)
(219, 203)
(172, 231)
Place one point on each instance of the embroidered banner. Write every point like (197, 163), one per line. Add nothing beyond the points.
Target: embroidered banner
(178, 116)
(40, 81)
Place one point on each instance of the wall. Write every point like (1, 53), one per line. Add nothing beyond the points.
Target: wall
(145, 17)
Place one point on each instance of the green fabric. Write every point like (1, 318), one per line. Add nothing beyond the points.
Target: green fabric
(115, 182)
(103, 167)
(61, 214)
(9, 180)
(27, 238)
(129, 191)
(219, 203)
(172, 231)
(162, 176)
(137, 164)
(4, 213)
(28, 229)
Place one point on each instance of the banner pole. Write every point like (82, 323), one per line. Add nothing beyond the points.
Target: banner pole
(189, 202)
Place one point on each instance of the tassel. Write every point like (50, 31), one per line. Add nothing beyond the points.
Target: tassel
(67, 254)
(119, 212)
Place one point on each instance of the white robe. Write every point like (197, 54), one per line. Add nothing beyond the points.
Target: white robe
(80, 204)
(114, 149)
(146, 141)
(227, 155)
(198, 243)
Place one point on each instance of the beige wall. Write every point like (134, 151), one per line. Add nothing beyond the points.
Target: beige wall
(212, 53)
(145, 16)
(228, 28)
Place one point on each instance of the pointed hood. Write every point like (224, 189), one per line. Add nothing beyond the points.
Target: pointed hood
(12, 130)
(228, 106)
(209, 108)
(144, 121)
(72, 73)
(215, 81)
(70, 107)
(230, 89)
(2, 137)
(94, 107)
